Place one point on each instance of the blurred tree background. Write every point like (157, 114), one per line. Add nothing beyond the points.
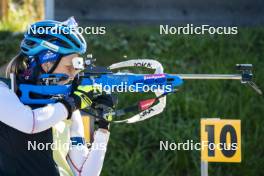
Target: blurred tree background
(134, 148)
(15, 15)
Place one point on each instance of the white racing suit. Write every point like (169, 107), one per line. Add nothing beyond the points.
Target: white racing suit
(21, 128)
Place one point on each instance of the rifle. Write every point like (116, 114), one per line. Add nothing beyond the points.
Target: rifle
(96, 75)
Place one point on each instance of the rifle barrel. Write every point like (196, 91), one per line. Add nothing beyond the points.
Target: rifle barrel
(210, 76)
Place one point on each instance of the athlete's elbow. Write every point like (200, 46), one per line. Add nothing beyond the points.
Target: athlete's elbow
(25, 129)
(27, 122)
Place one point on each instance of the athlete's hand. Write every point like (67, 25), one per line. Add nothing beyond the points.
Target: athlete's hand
(84, 96)
(104, 105)
(81, 98)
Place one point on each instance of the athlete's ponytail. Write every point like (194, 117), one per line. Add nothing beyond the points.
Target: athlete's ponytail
(16, 65)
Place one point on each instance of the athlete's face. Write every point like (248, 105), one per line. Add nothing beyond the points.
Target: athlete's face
(65, 66)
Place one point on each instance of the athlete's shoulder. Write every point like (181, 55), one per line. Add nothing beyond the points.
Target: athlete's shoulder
(4, 83)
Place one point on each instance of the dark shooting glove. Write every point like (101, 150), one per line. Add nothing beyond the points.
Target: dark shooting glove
(104, 107)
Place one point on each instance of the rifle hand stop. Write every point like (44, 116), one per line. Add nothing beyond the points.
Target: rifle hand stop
(247, 76)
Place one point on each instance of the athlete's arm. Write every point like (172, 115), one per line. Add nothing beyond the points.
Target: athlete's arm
(81, 160)
(23, 118)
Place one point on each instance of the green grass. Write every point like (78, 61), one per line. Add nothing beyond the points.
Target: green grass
(134, 149)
